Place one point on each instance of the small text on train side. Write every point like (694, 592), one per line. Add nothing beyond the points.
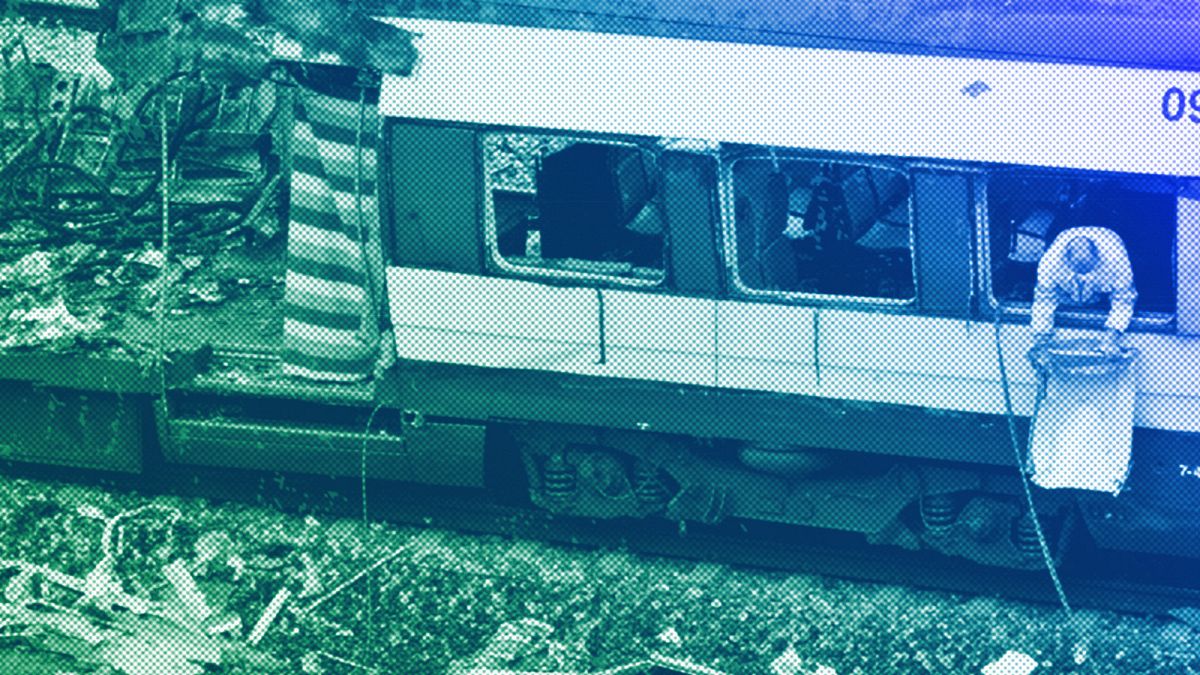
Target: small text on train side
(1176, 103)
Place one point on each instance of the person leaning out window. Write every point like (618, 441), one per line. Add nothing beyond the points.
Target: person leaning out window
(1081, 265)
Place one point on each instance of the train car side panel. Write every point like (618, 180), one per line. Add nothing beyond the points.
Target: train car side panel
(488, 321)
(430, 225)
(71, 427)
(955, 109)
(768, 347)
(944, 243)
(1187, 271)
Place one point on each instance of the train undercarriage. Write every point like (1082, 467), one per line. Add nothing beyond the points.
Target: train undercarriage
(888, 474)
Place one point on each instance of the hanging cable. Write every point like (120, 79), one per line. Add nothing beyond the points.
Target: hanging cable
(372, 292)
(1081, 645)
(160, 311)
(603, 336)
(365, 328)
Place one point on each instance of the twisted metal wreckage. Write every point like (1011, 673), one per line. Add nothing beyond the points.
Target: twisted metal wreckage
(196, 91)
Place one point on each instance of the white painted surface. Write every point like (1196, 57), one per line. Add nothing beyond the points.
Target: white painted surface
(911, 106)
(1172, 413)
(764, 331)
(767, 347)
(864, 356)
(658, 322)
(652, 336)
(642, 364)
(490, 351)
(491, 305)
(1187, 265)
(914, 344)
(916, 389)
(788, 377)
(511, 323)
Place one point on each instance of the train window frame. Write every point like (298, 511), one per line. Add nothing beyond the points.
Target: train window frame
(728, 207)
(496, 262)
(1066, 316)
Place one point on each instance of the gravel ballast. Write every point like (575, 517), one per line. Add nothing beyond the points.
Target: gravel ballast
(439, 598)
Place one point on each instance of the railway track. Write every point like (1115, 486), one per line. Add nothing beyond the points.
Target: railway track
(1152, 588)
(1126, 583)
(741, 544)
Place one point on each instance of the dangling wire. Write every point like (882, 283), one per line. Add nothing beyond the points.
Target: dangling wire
(160, 312)
(1081, 645)
(365, 329)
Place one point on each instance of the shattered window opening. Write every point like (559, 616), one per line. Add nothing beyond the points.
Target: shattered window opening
(1027, 209)
(812, 227)
(573, 207)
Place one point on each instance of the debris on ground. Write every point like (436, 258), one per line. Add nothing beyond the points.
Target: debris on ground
(149, 638)
(80, 257)
(395, 599)
(512, 641)
(1188, 615)
(788, 663)
(670, 636)
(1012, 663)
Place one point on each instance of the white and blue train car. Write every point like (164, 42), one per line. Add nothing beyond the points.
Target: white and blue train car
(703, 275)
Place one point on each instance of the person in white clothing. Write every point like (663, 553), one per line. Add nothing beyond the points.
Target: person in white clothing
(1081, 264)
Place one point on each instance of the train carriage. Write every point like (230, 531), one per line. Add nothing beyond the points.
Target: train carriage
(787, 255)
(663, 269)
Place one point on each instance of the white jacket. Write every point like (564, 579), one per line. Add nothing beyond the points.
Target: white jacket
(1056, 281)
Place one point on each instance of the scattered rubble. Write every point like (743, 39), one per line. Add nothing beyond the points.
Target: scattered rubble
(104, 578)
(94, 621)
(1012, 663)
(80, 230)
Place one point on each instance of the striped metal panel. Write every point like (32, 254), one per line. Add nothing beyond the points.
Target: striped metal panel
(331, 298)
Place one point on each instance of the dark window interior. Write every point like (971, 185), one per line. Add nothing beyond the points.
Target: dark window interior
(1027, 211)
(822, 227)
(583, 206)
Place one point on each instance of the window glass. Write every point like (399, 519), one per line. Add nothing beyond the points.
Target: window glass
(821, 227)
(567, 206)
(1027, 210)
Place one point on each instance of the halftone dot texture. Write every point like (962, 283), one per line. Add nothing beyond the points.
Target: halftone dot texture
(601, 249)
(331, 315)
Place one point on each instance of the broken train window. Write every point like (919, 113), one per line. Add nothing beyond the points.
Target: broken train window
(562, 206)
(1027, 209)
(824, 227)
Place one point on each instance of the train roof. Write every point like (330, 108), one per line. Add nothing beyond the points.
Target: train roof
(1158, 34)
